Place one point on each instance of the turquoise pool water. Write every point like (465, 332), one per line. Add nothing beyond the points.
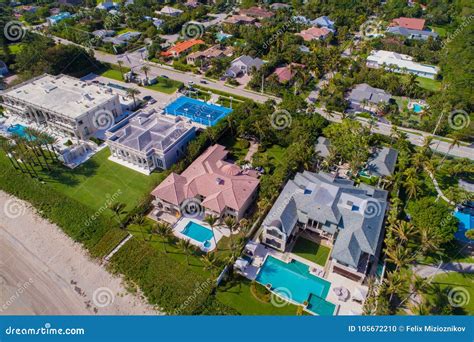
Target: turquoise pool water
(199, 233)
(295, 277)
(417, 108)
(19, 130)
(466, 222)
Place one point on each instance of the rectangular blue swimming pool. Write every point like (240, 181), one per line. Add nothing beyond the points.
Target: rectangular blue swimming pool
(293, 281)
(197, 232)
(19, 130)
(198, 111)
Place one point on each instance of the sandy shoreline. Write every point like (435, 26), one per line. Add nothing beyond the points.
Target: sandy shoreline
(44, 272)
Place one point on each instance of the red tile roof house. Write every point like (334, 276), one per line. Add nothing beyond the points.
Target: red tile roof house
(286, 73)
(314, 33)
(409, 23)
(256, 12)
(179, 48)
(222, 188)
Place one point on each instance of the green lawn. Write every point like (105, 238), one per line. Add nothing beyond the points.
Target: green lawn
(429, 84)
(98, 180)
(439, 30)
(15, 48)
(311, 251)
(462, 285)
(165, 85)
(238, 295)
(235, 146)
(113, 74)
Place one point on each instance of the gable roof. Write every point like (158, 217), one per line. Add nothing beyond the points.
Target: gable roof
(248, 61)
(314, 33)
(221, 183)
(357, 213)
(403, 31)
(181, 47)
(323, 21)
(410, 23)
(256, 12)
(364, 91)
(382, 162)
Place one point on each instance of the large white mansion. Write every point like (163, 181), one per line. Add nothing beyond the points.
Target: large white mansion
(64, 103)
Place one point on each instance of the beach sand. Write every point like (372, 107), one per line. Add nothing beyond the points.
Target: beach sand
(44, 272)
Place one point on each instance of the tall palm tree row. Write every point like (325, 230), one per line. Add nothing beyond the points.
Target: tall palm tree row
(211, 220)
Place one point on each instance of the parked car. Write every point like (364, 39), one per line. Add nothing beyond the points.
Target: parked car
(147, 98)
(203, 81)
(164, 76)
(152, 101)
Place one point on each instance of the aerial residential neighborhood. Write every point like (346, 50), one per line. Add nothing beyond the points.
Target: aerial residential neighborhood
(250, 158)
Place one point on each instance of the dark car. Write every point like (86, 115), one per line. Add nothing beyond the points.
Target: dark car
(147, 98)
(203, 81)
(164, 76)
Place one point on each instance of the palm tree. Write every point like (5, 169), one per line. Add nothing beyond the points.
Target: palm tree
(211, 220)
(230, 224)
(399, 256)
(430, 241)
(412, 187)
(132, 92)
(186, 247)
(404, 230)
(455, 141)
(210, 262)
(165, 231)
(49, 141)
(139, 220)
(120, 64)
(394, 282)
(118, 208)
(145, 68)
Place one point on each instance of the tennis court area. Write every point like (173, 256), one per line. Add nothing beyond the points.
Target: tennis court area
(198, 111)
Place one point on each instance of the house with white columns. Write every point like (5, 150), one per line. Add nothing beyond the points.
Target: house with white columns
(63, 103)
(147, 140)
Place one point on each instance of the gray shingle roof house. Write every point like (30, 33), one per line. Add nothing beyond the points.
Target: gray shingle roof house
(382, 162)
(146, 141)
(412, 34)
(322, 147)
(323, 21)
(333, 208)
(363, 96)
(243, 65)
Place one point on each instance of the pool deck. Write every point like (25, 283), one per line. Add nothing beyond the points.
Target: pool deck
(219, 232)
(348, 307)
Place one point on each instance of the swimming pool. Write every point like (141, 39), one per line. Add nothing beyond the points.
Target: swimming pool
(196, 110)
(417, 108)
(199, 233)
(302, 285)
(19, 130)
(466, 222)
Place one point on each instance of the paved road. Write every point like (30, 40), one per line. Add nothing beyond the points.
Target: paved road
(426, 271)
(135, 60)
(414, 136)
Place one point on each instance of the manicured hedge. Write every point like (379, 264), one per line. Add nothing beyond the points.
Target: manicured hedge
(164, 281)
